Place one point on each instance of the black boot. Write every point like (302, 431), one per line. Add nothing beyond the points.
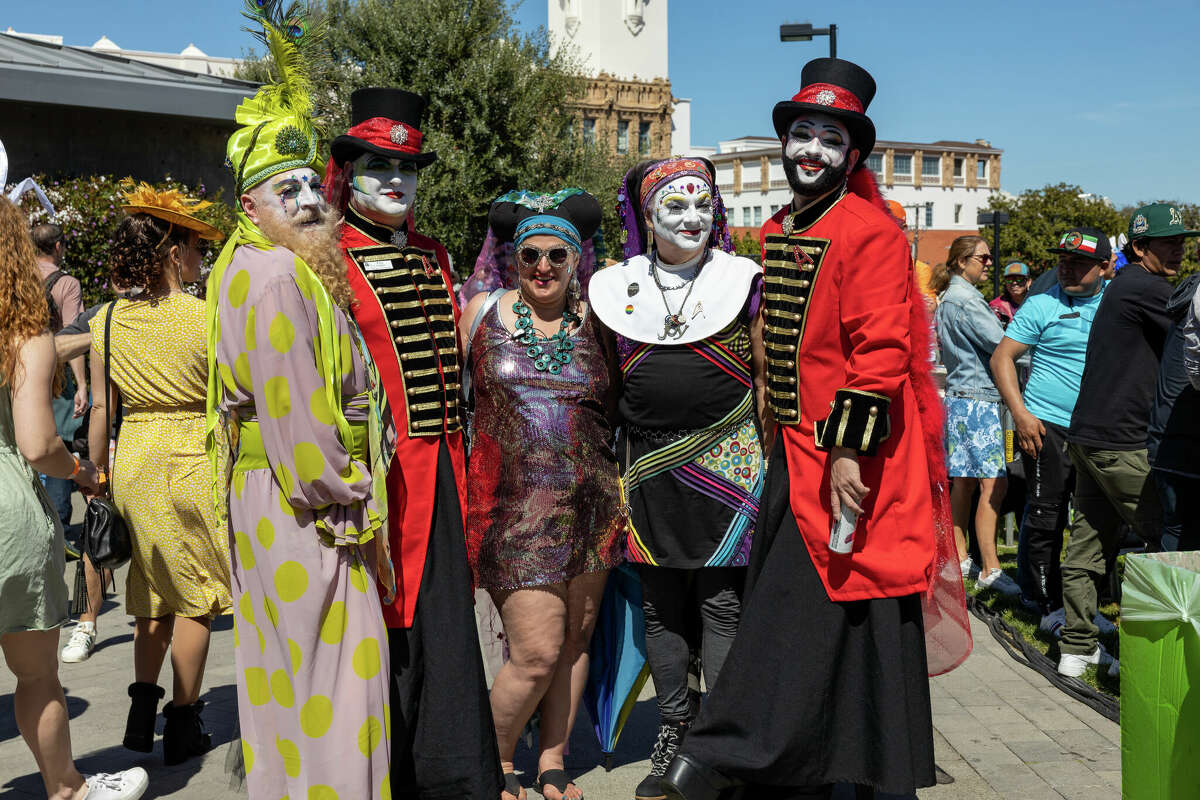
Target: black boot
(688, 779)
(670, 735)
(184, 735)
(143, 710)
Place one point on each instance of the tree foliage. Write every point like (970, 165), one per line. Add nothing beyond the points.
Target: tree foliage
(88, 209)
(1038, 217)
(499, 114)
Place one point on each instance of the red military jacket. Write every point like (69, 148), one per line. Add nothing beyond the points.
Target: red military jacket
(838, 285)
(408, 315)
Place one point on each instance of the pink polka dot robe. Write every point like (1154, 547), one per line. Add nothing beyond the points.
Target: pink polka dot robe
(311, 646)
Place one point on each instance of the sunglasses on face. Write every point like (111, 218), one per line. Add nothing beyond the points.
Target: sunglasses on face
(529, 256)
(1016, 279)
(983, 258)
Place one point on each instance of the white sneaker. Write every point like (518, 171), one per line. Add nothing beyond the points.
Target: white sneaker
(1053, 623)
(80, 645)
(128, 785)
(969, 568)
(997, 580)
(1073, 665)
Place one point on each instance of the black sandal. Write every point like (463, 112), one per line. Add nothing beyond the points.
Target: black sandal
(512, 785)
(558, 779)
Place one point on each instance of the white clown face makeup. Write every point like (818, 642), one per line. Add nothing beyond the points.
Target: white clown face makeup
(382, 188)
(818, 144)
(291, 198)
(682, 217)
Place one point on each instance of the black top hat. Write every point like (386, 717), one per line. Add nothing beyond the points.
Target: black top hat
(384, 121)
(841, 89)
(582, 210)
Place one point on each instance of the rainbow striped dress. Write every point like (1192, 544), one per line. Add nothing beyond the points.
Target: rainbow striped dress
(691, 452)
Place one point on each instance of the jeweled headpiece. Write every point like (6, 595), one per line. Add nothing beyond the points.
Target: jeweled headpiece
(277, 132)
(641, 184)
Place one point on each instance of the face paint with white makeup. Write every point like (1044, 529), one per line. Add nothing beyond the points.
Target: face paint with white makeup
(683, 213)
(383, 189)
(815, 153)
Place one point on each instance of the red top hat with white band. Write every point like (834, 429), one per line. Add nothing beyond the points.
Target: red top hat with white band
(384, 121)
(841, 89)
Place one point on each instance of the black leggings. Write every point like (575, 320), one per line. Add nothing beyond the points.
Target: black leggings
(688, 611)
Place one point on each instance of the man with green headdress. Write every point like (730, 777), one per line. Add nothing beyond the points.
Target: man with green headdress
(294, 395)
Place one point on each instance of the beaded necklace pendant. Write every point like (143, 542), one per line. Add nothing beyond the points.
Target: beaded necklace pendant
(543, 361)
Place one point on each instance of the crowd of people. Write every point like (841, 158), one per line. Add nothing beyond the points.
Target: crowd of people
(1096, 372)
(335, 448)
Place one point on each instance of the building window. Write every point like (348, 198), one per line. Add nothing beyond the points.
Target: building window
(875, 164)
(746, 217)
(958, 171)
(757, 216)
(623, 136)
(981, 169)
(644, 138)
(775, 209)
(929, 215)
(902, 168)
(589, 130)
(931, 167)
(957, 212)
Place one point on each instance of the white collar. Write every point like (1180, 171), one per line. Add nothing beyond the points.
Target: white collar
(626, 299)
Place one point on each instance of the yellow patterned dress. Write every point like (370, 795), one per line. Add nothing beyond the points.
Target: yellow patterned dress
(160, 476)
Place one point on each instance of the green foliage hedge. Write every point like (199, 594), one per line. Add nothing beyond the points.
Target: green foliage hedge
(89, 211)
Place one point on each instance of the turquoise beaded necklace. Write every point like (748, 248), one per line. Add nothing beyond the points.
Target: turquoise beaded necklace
(526, 335)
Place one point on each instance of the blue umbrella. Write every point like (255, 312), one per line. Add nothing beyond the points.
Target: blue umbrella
(618, 667)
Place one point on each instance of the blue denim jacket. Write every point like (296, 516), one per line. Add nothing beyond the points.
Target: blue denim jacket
(967, 332)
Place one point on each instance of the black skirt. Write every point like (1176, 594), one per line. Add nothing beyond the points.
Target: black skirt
(443, 737)
(815, 691)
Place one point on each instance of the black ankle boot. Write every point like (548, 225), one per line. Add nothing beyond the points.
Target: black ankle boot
(184, 735)
(143, 710)
(670, 736)
(688, 779)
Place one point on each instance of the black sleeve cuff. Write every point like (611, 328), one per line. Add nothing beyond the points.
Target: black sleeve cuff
(858, 420)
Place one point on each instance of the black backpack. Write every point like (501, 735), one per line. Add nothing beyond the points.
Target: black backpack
(56, 321)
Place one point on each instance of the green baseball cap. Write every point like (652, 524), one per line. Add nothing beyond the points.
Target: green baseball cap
(1156, 221)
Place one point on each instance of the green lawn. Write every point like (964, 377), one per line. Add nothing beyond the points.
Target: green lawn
(1026, 623)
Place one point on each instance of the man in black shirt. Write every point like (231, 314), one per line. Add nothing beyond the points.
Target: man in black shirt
(1107, 437)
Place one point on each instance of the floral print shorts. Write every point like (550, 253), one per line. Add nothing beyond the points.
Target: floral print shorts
(974, 438)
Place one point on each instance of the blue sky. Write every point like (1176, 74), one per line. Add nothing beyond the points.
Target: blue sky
(1102, 94)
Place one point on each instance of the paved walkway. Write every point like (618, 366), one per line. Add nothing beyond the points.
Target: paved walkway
(1002, 731)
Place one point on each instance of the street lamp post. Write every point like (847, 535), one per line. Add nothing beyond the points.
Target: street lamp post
(804, 32)
(916, 208)
(995, 219)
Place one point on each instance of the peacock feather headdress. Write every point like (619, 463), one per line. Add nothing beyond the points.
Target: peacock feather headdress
(278, 133)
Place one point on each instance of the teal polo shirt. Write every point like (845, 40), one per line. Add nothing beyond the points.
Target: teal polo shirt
(1055, 325)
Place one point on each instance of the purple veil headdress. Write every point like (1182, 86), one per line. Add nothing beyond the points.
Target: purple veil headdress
(639, 187)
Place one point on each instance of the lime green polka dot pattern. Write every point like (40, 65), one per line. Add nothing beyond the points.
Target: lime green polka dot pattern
(333, 626)
(366, 659)
(281, 334)
(316, 715)
(369, 736)
(318, 406)
(239, 288)
(314, 691)
(265, 531)
(244, 550)
(309, 461)
(247, 756)
(290, 755)
(291, 581)
(281, 689)
(279, 397)
(251, 338)
(257, 686)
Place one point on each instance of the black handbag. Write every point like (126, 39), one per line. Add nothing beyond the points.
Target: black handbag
(105, 535)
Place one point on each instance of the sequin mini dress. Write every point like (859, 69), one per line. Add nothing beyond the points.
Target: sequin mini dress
(542, 490)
